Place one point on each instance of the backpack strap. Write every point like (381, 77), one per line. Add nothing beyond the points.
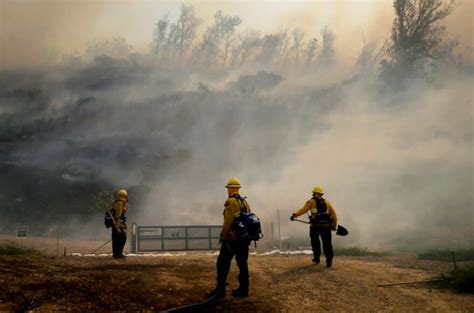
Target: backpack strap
(322, 215)
(325, 208)
(243, 207)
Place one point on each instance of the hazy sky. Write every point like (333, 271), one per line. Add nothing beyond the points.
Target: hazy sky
(34, 31)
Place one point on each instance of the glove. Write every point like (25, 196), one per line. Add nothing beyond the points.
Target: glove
(293, 216)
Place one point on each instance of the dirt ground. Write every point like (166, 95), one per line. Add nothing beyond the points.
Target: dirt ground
(279, 283)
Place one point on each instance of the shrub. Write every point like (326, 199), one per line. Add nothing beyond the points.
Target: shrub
(13, 249)
(447, 255)
(461, 279)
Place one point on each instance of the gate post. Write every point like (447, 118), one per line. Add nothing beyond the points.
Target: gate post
(134, 239)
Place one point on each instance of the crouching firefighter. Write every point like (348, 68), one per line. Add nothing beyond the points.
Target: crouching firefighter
(233, 243)
(323, 219)
(119, 235)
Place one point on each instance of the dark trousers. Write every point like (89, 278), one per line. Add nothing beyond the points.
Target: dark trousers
(119, 238)
(325, 233)
(229, 249)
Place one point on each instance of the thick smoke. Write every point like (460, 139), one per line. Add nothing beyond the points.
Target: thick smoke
(398, 175)
(396, 164)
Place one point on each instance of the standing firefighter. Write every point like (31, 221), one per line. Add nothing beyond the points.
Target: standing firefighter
(233, 243)
(119, 235)
(323, 219)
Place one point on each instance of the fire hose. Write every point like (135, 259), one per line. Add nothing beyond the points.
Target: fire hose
(101, 246)
(194, 306)
(115, 226)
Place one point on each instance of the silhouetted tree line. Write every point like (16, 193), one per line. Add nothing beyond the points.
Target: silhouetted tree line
(418, 39)
(221, 46)
(417, 45)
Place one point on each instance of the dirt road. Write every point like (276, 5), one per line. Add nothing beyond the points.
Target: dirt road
(278, 284)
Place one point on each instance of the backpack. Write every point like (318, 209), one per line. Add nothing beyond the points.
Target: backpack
(252, 228)
(322, 217)
(109, 220)
(249, 224)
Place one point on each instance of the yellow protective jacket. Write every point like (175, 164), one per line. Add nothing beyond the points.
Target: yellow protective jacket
(232, 209)
(119, 211)
(310, 205)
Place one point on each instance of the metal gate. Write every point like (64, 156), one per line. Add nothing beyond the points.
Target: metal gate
(175, 238)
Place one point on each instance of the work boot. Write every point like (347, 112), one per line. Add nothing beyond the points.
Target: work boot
(240, 292)
(328, 263)
(216, 293)
(316, 261)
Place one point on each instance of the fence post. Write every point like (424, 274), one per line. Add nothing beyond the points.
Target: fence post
(210, 237)
(134, 238)
(186, 234)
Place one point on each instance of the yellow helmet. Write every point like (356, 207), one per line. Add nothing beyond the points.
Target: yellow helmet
(122, 193)
(318, 189)
(233, 183)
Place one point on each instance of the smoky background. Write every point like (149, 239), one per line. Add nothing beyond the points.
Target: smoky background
(283, 112)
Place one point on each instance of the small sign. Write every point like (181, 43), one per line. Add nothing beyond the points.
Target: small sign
(22, 231)
(175, 234)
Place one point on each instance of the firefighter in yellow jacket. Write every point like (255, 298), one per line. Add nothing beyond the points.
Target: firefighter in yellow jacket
(323, 219)
(232, 243)
(119, 235)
